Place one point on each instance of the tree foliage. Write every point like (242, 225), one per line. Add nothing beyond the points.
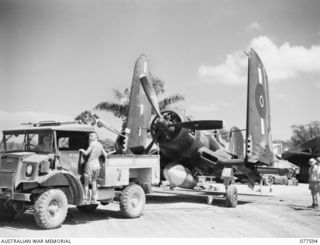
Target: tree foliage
(107, 144)
(86, 117)
(302, 133)
(120, 106)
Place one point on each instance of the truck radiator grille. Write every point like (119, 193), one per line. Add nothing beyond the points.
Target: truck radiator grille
(6, 178)
(8, 163)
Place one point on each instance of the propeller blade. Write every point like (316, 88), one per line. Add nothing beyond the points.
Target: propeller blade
(103, 124)
(199, 125)
(151, 95)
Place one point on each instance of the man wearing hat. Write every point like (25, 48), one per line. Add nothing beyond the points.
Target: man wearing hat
(313, 182)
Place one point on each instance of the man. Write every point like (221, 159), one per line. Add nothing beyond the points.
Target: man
(46, 144)
(92, 168)
(265, 180)
(318, 176)
(313, 182)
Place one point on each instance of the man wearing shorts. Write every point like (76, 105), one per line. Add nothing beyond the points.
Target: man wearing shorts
(313, 182)
(92, 167)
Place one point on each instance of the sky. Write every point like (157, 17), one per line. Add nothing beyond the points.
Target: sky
(59, 58)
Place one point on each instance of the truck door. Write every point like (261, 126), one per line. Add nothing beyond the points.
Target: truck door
(69, 144)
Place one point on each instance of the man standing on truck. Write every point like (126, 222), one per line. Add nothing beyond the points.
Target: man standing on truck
(92, 167)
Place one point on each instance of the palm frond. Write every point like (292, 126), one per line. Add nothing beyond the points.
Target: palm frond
(117, 110)
(163, 104)
(158, 86)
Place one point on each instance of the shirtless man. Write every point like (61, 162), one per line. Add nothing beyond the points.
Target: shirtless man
(92, 168)
(313, 182)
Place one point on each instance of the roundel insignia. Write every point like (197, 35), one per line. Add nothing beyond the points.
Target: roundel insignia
(261, 102)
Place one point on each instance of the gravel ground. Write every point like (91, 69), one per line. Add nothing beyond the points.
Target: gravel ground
(185, 213)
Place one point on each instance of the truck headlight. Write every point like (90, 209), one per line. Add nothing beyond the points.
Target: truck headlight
(29, 170)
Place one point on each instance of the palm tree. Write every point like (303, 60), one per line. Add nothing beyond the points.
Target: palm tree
(120, 107)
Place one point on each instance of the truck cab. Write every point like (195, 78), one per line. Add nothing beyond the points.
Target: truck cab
(41, 168)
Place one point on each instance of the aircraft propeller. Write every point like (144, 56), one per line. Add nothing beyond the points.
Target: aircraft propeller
(151, 95)
(194, 125)
(103, 124)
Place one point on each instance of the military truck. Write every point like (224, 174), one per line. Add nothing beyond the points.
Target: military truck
(48, 180)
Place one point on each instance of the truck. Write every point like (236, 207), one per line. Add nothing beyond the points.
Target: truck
(48, 180)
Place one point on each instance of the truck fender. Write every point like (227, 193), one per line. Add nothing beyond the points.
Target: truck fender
(65, 181)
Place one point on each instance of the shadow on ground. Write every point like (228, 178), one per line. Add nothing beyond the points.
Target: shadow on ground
(302, 208)
(159, 198)
(74, 217)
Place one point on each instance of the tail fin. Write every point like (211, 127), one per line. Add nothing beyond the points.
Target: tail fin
(259, 141)
(236, 143)
(139, 115)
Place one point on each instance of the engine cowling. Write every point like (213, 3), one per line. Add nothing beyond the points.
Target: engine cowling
(180, 176)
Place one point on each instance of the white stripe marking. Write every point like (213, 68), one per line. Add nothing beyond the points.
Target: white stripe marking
(145, 66)
(262, 126)
(141, 109)
(260, 74)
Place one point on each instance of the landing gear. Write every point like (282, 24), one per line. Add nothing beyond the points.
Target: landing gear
(231, 196)
(231, 189)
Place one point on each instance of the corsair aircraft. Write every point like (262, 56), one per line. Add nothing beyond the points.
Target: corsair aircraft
(190, 148)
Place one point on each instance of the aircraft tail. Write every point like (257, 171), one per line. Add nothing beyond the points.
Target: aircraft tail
(236, 143)
(139, 115)
(258, 136)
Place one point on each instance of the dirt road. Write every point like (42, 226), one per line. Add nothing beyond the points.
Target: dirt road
(181, 213)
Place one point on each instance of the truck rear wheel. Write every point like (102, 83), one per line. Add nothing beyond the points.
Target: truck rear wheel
(50, 209)
(231, 196)
(132, 201)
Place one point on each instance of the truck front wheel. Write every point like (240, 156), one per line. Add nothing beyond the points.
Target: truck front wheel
(132, 201)
(50, 209)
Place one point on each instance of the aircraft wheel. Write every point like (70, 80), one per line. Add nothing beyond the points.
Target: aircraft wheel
(132, 201)
(270, 178)
(231, 196)
(50, 209)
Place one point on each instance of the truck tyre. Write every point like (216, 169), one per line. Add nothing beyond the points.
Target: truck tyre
(6, 213)
(231, 196)
(132, 201)
(88, 208)
(50, 209)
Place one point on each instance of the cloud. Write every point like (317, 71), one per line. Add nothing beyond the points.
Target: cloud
(10, 120)
(281, 62)
(253, 27)
(231, 71)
